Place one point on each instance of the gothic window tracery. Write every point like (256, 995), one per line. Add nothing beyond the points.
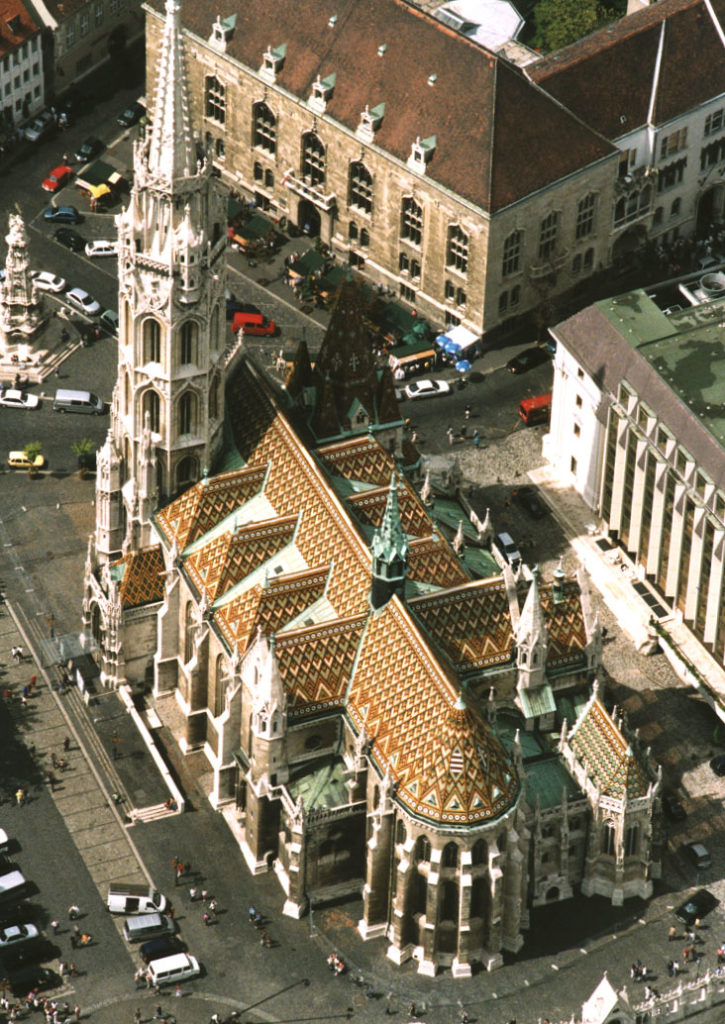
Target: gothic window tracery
(216, 100)
(152, 406)
(188, 408)
(151, 341)
(188, 340)
(265, 127)
(313, 159)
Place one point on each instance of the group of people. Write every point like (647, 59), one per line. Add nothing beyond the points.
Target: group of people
(336, 964)
(54, 1012)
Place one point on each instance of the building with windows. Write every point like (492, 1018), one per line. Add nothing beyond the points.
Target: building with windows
(638, 428)
(380, 715)
(22, 91)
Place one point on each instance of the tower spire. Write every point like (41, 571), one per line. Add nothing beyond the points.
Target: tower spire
(170, 153)
(390, 552)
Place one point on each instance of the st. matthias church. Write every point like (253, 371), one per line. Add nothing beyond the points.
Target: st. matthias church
(385, 723)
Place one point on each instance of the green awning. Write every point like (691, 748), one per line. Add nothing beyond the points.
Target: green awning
(256, 227)
(307, 264)
(234, 207)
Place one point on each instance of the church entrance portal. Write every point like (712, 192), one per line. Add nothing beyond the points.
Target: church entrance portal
(308, 218)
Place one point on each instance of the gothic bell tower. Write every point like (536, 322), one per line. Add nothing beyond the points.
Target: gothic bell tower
(168, 403)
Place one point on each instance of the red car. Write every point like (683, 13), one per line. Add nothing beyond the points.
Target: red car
(58, 178)
(253, 323)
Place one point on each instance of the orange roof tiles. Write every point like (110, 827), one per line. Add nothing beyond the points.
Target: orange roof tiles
(207, 503)
(316, 663)
(470, 624)
(14, 13)
(143, 577)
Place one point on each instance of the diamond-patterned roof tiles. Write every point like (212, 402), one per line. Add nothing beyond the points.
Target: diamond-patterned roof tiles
(471, 624)
(431, 560)
(316, 663)
(448, 765)
(143, 577)
(564, 625)
(614, 766)
(205, 504)
(370, 506)
(359, 458)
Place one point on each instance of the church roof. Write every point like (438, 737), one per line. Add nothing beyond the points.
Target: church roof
(611, 78)
(445, 762)
(611, 762)
(316, 663)
(141, 575)
(207, 503)
(487, 117)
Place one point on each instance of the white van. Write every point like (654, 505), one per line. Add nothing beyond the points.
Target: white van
(78, 401)
(12, 885)
(134, 899)
(172, 969)
(140, 927)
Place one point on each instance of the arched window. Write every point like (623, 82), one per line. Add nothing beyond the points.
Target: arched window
(457, 249)
(187, 342)
(422, 848)
(512, 254)
(187, 472)
(313, 159)
(608, 838)
(187, 413)
(450, 855)
(214, 399)
(411, 226)
(264, 128)
(631, 841)
(214, 329)
(479, 853)
(219, 684)
(361, 187)
(151, 341)
(152, 406)
(126, 391)
(96, 628)
(479, 897)
(216, 102)
(364, 238)
(188, 632)
(585, 216)
(419, 894)
(400, 831)
(449, 902)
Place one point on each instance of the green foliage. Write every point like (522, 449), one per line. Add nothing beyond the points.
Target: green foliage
(560, 22)
(83, 447)
(32, 450)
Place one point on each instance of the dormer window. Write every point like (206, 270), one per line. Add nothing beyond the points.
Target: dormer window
(273, 62)
(322, 89)
(13, 25)
(370, 121)
(221, 32)
(420, 154)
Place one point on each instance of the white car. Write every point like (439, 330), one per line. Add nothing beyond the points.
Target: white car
(507, 546)
(18, 399)
(48, 282)
(14, 934)
(101, 247)
(426, 389)
(82, 300)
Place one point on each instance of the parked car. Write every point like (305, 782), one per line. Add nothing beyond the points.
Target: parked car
(528, 359)
(699, 855)
(109, 319)
(426, 389)
(507, 546)
(83, 301)
(155, 949)
(101, 247)
(696, 906)
(131, 115)
(90, 148)
(70, 239)
(40, 127)
(62, 215)
(529, 499)
(19, 460)
(718, 764)
(48, 282)
(57, 178)
(14, 399)
(673, 808)
(14, 934)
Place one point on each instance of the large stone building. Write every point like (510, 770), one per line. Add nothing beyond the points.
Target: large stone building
(476, 190)
(378, 718)
(22, 90)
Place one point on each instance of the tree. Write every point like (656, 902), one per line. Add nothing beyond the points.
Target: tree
(83, 450)
(560, 22)
(31, 451)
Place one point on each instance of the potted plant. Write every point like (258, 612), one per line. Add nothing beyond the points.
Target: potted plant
(32, 451)
(84, 452)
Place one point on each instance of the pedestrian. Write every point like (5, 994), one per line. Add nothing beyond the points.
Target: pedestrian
(213, 907)
(179, 873)
(20, 796)
(449, 435)
(137, 1015)
(76, 1013)
(672, 933)
(467, 412)
(207, 918)
(411, 1010)
(72, 970)
(73, 940)
(55, 925)
(178, 991)
(159, 1012)
(252, 915)
(675, 968)
(193, 894)
(66, 744)
(31, 684)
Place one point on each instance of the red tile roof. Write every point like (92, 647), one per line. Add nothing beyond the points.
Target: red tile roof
(499, 138)
(13, 12)
(608, 78)
(143, 577)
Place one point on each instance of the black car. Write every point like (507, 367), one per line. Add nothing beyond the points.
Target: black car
(673, 808)
(131, 115)
(70, 239)
(528, 498)
(90, 148)
(718, 764)
(528, 359)
(167, 945)
(696, 906)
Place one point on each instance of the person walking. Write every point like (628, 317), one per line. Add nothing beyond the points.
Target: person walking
(20, 796)
(66, 744)
(137, 1015)
(206, 918)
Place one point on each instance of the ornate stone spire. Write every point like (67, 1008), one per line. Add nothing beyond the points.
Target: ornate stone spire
(170, 152)
(531, 639)
(390, 552)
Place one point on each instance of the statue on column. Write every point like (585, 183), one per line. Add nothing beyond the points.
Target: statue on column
(21, 308)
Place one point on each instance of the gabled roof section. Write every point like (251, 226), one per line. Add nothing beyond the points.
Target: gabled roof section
(16, 25)
(565, 625)
(217, 566)
(610, 761)
(445, 762)
(431, 561)
(316, 664)
(487, 117)
(359, 458)
(207, 503)
(608, 79)
(470, 624)
(369, 506)
(141, 576)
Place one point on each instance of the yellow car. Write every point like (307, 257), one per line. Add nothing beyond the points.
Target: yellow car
(19, 460)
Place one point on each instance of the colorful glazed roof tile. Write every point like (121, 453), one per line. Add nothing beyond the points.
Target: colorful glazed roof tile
(316, 664)
(369, 506)
(141, 574)
(470, 624)
(564, 625)
(445, 762)
(207, 503)
(360, 458)
(609, 760)
(431, 560)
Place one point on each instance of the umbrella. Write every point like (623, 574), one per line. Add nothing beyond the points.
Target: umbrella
(463, 366)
